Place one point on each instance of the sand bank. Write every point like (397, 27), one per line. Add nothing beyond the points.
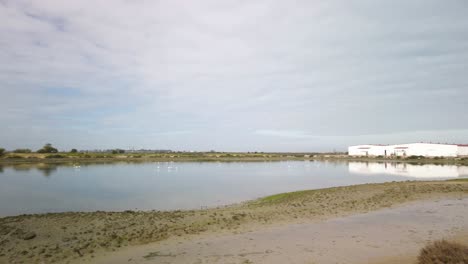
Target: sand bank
(384, 236)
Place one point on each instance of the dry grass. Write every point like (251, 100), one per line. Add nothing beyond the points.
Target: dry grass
(443, 252)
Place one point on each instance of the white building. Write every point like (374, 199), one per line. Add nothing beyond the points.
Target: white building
(462, 151)
(412, 149)
(367, 150)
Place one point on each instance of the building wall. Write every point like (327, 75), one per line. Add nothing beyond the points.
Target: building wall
(462, 151)
(366, 150)
(406, 150)
(360, 150)
(425, 149)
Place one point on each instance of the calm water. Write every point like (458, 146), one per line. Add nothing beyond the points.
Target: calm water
(185, 185)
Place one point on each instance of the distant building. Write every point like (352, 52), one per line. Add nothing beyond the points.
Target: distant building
(412, 149)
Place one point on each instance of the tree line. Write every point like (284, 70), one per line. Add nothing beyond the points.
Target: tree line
(48, 148)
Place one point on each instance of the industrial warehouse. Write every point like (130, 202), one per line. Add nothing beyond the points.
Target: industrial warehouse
(412, 149)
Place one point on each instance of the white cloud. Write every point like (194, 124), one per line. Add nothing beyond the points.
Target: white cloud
(224, 69)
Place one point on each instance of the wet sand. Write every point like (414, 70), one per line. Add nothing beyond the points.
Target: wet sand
(86, 237)
(384, 236)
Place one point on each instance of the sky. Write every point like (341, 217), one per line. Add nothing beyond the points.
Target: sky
(257, 75)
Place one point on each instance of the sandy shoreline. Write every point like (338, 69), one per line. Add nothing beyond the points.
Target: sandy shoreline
(84, 237)
(385, 236)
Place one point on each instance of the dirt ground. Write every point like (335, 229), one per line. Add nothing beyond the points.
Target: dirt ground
(385, 236)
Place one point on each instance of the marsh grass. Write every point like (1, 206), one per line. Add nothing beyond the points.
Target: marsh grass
(458, 180)
(282, 197)
(14, 157)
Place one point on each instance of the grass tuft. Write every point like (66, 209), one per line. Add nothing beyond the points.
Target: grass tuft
(282, 197)
(443, 252)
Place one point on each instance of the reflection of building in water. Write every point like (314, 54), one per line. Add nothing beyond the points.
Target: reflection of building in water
(414, 149)
(408, 170)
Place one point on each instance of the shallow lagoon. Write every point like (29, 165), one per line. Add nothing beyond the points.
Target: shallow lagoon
(45, 188)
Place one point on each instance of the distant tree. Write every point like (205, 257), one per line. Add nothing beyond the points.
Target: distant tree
(2, 151)
(22, 151)
(73, 151)
(47, 148)
(118, 151)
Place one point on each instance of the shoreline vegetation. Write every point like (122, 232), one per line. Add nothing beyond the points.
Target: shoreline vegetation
(72, 236)
(11, 158)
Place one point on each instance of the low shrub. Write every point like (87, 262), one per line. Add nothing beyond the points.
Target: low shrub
(21, 151)
(55, 156)
(415, 157)
(14, 157)
(2, 151)
(118, 151)
(443, 251)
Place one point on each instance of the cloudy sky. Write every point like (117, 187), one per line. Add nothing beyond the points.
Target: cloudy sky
(232, 75)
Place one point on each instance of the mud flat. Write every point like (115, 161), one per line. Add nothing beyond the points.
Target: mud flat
(94, 237)
(384, 236)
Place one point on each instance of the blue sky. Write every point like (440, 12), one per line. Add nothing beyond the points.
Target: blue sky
(232, 75)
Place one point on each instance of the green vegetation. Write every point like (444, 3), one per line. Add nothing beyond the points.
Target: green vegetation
(118, 155)
(458, 179)
(47, 149)
(13, 157)
(445, 252)
(415, 157)
(118, 151)
(55, 156)
(22, 151)
(122, 155)
(282, 197)
(2, 151)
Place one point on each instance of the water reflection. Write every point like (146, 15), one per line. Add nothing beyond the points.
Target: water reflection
(22, 167)
(408, 170)
(183, 185)
(45, 169)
